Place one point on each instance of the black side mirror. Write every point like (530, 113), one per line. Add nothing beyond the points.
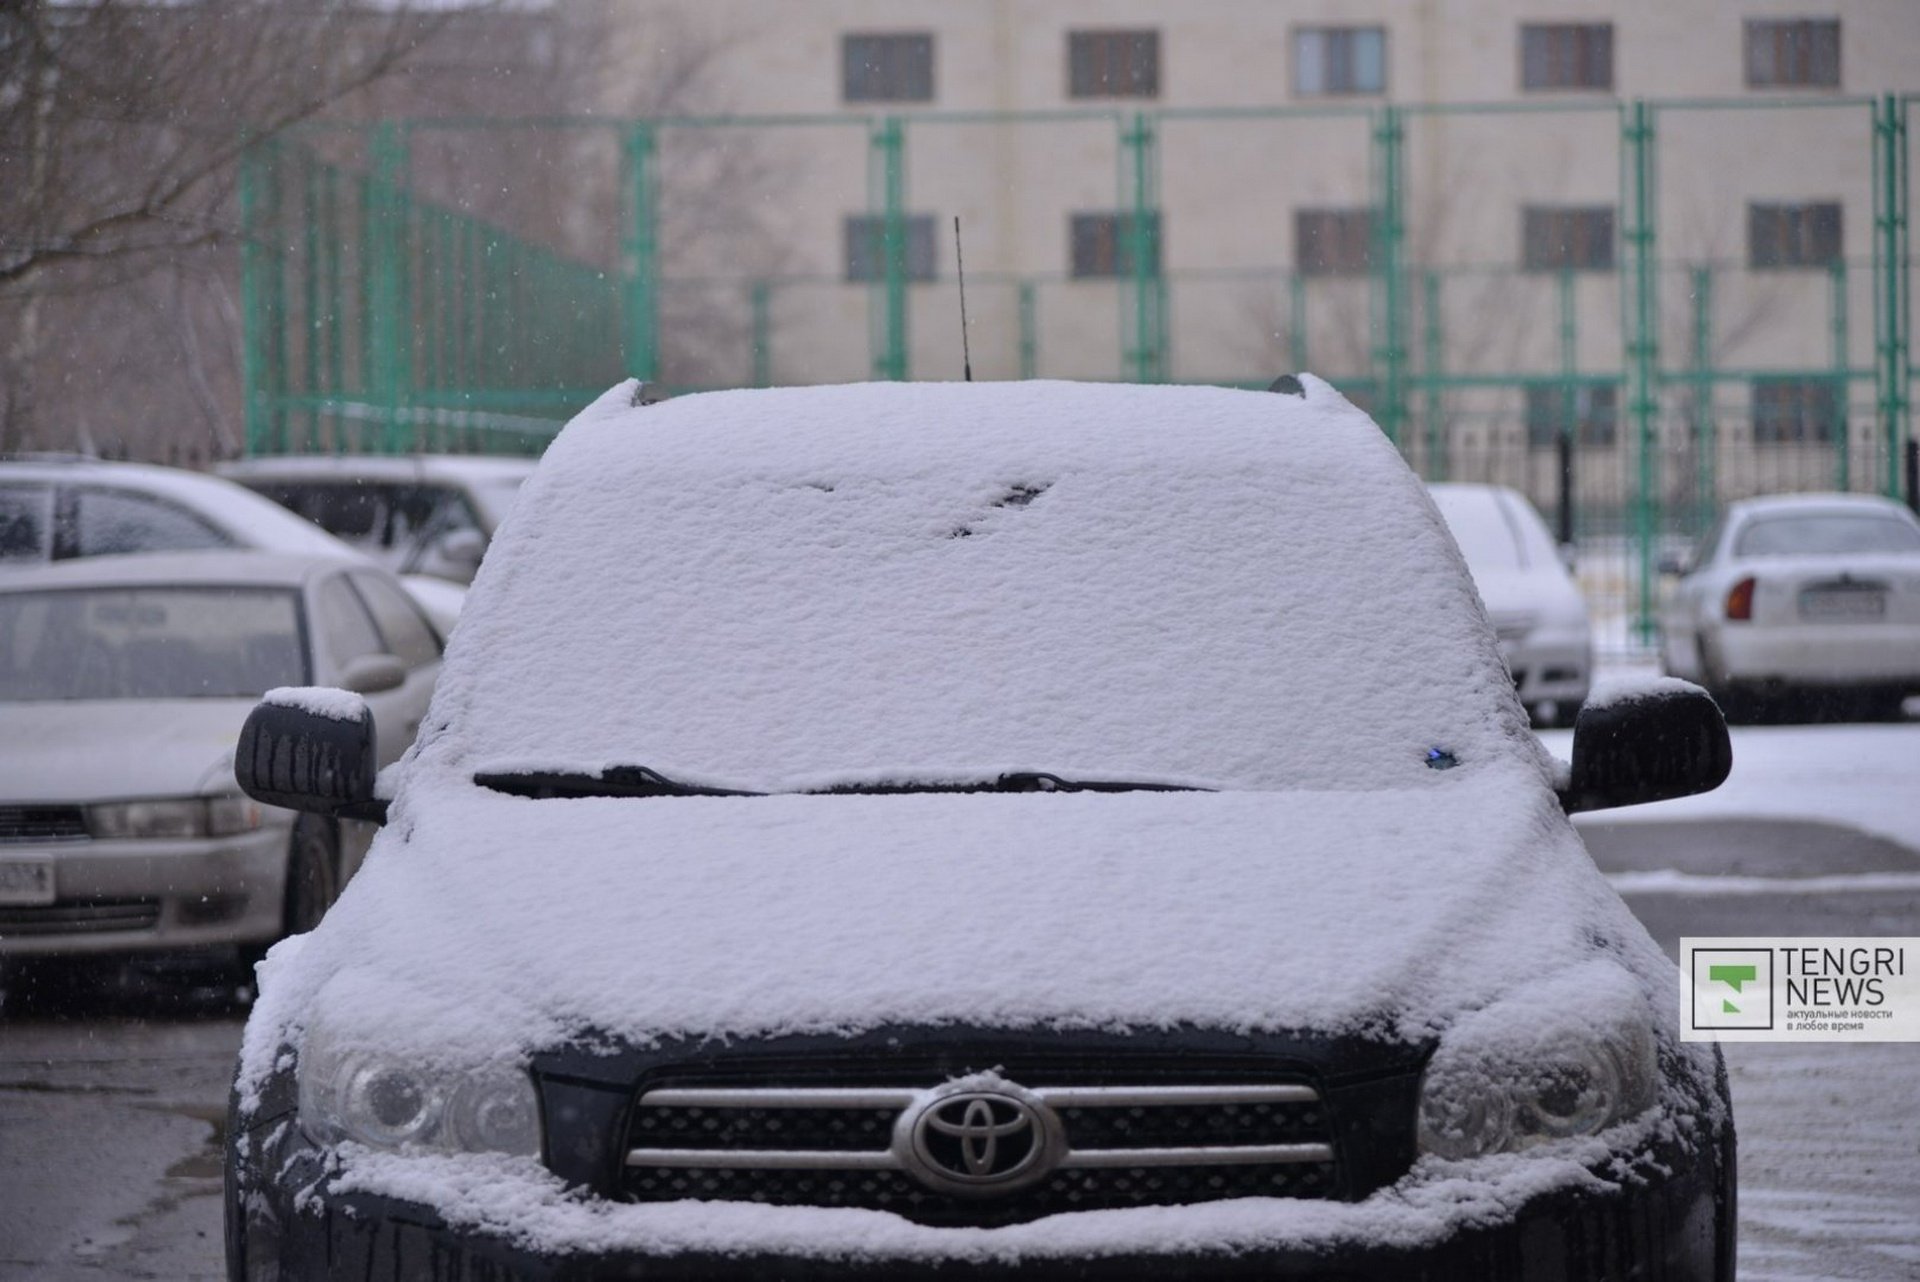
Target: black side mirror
(315, 756)
(1653, 744)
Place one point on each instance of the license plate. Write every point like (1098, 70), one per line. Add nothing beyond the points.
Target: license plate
(1855, 604)
(26, 881)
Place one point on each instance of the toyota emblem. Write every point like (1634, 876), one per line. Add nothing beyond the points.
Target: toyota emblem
(979, 1140)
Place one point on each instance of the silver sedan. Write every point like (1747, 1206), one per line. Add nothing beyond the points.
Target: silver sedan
(123, 685)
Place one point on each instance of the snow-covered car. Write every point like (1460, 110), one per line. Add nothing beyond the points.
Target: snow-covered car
(1537, 611)
(1042, 828)
(124, 681)
(1801, 593)
(60, 509)
(424, 514)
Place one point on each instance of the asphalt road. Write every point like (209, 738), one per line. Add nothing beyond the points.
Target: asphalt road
(111, 1114)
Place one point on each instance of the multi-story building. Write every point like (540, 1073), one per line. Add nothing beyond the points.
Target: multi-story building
(1498, 222)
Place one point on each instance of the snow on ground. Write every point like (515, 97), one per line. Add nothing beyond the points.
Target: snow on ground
(1829, 1160)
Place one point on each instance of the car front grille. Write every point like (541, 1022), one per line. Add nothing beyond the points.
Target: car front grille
(1123, 1146)
(80, 917)
(42, 823)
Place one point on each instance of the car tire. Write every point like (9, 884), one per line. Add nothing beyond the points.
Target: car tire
(313, 874)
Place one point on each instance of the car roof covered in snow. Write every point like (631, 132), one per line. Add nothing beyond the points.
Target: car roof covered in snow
(231, 567)
(1799, 504)
(787, 589)
(453, 469)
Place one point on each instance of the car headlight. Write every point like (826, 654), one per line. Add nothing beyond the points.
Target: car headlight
(1501, 1081)
(175, 817)
(390, 1102)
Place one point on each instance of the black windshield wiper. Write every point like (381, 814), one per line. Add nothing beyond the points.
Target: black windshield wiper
(616, 781)
(1018, 781)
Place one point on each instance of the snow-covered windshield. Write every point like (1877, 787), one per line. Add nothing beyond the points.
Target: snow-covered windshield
(775, 591)
(148, 643)
(1826, 534)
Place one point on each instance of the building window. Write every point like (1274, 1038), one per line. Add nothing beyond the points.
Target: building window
(1793, 235)
(887, 68)
(867, 247)
(1595, 409)
(1796, 410)
(1332, 242)
(1338, 60)
(1554, 239)
(1113, 64)
(1566, 56)
(1102, 244)
(1802, 54)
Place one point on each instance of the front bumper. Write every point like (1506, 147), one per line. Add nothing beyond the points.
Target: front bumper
(151, 895)
(1670, 1216)
(1550, 667)
(1817, 655)
(1676, 1226)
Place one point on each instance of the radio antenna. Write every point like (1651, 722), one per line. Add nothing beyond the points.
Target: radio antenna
(960, 269)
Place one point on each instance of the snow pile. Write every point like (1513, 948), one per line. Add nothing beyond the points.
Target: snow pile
(319, 701)
(1630, 687)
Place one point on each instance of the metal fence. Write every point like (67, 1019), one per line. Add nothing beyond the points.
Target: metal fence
(465, 284)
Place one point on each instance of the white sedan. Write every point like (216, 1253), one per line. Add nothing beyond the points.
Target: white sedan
(124, 681)
(1537, 611)
(1803, 592)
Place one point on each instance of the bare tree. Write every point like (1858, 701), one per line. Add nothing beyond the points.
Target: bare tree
(120, 123)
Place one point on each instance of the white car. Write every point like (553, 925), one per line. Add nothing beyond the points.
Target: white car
(419, 515)
(124, 681)
(60, 509)
(1801, 593)
(55, 510)
(915, 830)
(1537, 611)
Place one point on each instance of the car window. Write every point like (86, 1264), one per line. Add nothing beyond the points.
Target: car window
(1703, 553)
(26, 522)
(148, 643)
(106, 522)
(345, 628)
(1826, 534)
(407, 634)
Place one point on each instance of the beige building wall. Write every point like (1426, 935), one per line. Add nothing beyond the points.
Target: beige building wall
(1230, 184)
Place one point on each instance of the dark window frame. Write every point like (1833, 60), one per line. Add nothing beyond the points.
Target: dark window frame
(1566, 57)
(1596, 415)
(1577, 238)
(1786, 236)
(864, 248)
(1797, 410)
(1792, 53)
(887, 66)
(1113, 62)
(1339, 72)
(1333, 241)
(1100, 244)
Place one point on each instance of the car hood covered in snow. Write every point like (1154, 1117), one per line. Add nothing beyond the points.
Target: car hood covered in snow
(118, 749)
(497, 922)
